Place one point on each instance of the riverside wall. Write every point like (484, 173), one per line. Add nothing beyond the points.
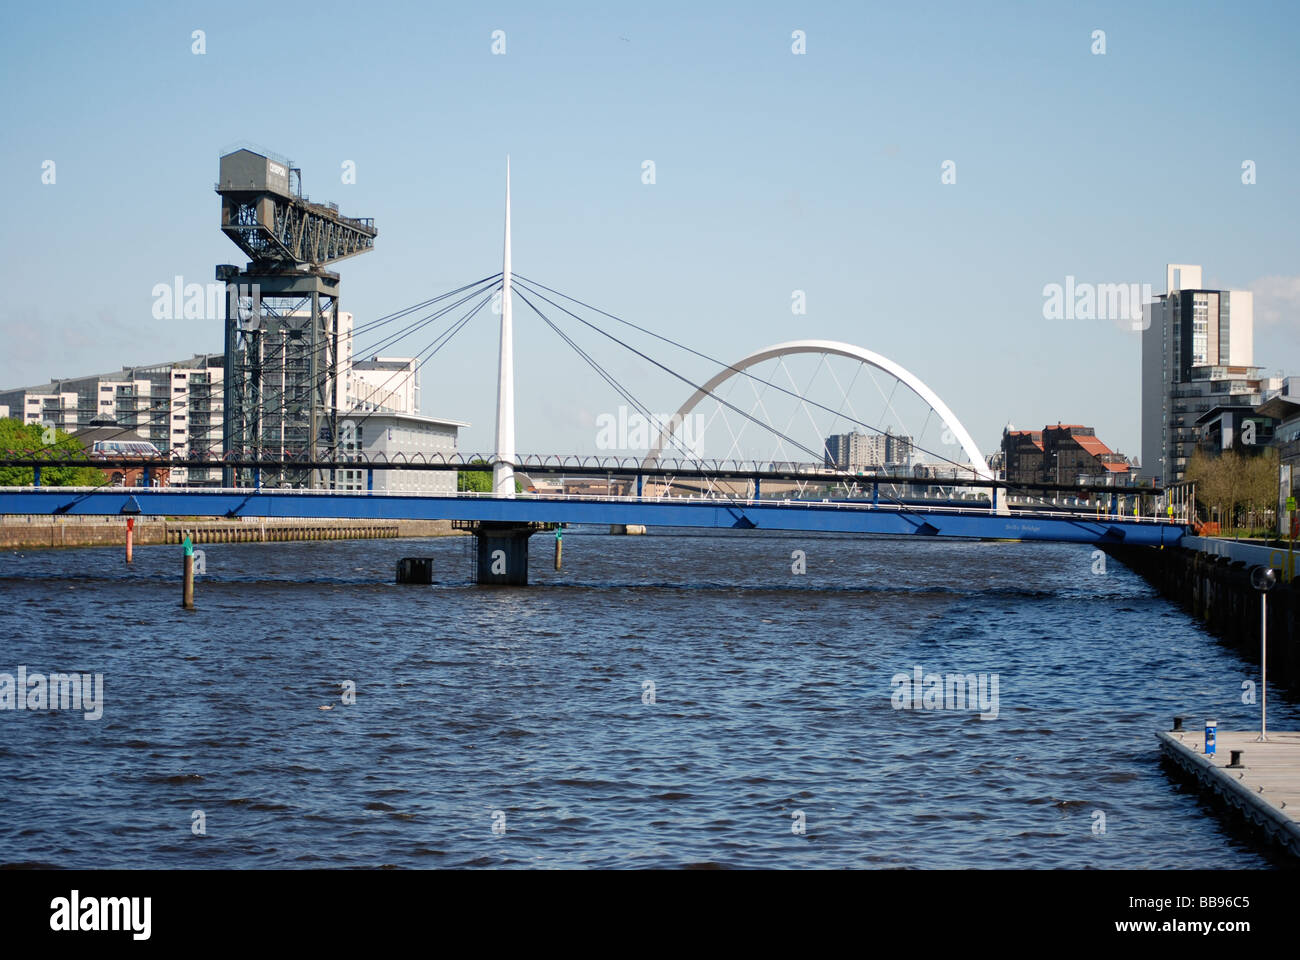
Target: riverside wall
(1216, 589)
(31, 533)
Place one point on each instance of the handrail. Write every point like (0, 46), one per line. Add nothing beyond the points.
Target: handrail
(1082, 517)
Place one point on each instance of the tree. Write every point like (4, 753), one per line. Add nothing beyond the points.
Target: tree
(479, 481)
(475, 481)
(1262, 480)
(1234, 481)
(1211, 490)
(27, 442)
(1237, 489)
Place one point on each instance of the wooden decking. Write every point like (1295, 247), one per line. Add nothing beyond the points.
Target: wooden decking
(1265, 789)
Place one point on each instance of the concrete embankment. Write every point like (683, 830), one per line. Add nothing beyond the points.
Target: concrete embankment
(28, 533)
(1216, 589)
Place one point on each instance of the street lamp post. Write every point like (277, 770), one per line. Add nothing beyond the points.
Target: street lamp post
(1263, 579)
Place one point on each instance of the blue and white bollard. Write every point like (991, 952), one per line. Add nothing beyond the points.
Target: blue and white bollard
(1211, 728)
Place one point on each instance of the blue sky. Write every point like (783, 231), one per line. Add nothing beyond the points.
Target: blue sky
(774, 172)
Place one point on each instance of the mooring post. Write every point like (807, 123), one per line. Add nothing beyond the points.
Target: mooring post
(415, 570)
(130, 537)
(187, 589)
(559, 548)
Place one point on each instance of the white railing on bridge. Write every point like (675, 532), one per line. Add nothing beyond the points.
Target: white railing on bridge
(946, 506)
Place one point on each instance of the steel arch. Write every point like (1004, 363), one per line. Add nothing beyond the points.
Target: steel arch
(842, 350)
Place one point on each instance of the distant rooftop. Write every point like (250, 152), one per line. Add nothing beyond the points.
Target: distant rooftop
(197, 362)
(364, 414)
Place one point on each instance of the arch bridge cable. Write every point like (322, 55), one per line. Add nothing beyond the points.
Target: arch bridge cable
(674, 373)
(609, 378)
(681, 346)
(165, 413)
(475, 288)
(722, 401)
(535, 287)
(816, 456)
(439, 342)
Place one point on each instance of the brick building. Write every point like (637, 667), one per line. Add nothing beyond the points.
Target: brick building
(1066, 453)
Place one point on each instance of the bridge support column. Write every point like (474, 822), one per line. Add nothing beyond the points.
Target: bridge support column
(501, 557)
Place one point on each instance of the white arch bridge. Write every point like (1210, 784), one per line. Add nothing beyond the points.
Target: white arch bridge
(978, 468)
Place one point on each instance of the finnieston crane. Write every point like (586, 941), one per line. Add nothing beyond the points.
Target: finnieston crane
(282, 334)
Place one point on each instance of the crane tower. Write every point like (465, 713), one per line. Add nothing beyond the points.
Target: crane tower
(283, 333)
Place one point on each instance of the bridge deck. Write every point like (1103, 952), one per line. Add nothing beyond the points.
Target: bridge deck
(759, 515)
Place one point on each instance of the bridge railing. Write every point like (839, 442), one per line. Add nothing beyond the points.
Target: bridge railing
(948, 507)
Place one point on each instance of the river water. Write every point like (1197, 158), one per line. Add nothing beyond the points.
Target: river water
(518, 726)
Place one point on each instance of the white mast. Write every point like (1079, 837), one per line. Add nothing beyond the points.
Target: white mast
(503, 474)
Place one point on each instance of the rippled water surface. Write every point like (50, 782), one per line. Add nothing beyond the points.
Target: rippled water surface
(772, 696)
